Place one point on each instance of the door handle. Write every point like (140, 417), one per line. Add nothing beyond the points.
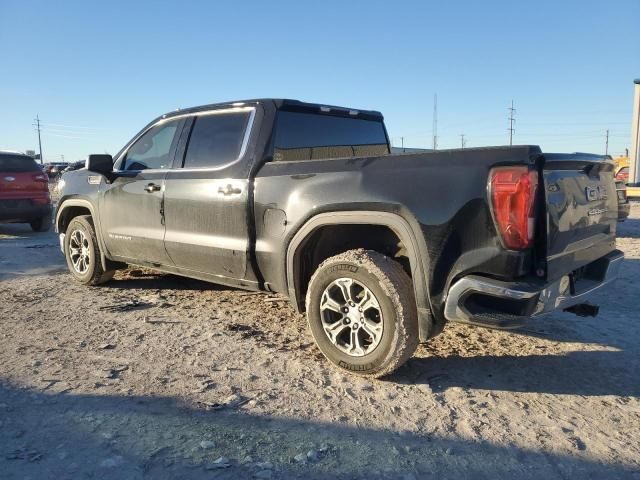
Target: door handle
(152, 187)
(229, 190)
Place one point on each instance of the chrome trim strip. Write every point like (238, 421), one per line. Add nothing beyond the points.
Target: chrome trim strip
(454, 310)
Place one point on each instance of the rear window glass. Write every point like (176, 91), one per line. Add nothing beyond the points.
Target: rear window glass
(216, 139)
(18, 163)
(309, 136)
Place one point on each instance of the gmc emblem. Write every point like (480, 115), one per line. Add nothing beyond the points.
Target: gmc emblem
(596, 193)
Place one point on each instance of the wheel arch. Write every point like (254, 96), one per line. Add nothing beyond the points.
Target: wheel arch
(415, 253)
(71, 208)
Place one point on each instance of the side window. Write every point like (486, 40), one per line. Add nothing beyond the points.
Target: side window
(216, 139)
(152, 149)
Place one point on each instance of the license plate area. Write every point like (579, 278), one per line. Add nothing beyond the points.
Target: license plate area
(15, 204)
(583, 278)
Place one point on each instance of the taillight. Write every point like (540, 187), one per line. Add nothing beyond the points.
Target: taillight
(41, 180)
(513, 192)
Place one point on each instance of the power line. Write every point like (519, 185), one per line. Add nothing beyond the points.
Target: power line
(72, 132)
(69, 126)
(63, 136)
(512, 120)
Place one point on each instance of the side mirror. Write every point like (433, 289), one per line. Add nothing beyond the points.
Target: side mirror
(100, 163)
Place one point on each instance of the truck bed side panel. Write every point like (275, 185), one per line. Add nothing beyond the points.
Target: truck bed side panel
(442, 195)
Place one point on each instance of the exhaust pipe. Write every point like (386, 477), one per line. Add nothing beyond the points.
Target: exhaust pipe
(584, 310)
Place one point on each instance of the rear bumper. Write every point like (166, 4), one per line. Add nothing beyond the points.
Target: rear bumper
(22, 210)
(488, 302)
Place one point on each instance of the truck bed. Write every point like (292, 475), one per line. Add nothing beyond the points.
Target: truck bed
(443, 196)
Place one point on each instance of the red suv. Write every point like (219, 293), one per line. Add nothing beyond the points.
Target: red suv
(24, 192)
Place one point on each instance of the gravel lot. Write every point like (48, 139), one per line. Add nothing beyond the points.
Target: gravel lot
(155, 376)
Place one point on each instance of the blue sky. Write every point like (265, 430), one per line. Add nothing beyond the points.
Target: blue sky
(96, 72)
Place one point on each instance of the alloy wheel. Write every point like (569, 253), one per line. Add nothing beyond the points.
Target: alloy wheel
(79, 251)
(351, 317)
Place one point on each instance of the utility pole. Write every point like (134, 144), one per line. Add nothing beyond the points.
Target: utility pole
(462, 142)
(435, 121)
(512, 120)
(37, 125)
(402, 143)
(606, 144)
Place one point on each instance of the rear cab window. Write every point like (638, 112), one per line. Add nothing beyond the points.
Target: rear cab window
(18, 163)
(315, 136)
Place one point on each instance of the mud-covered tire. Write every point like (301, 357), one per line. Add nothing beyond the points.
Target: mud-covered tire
(90, 271)
(42, 224)
(393, 291)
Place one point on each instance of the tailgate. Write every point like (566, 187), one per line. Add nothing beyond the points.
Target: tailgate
(582, 210)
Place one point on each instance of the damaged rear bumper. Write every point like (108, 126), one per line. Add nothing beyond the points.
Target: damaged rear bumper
(489, 302)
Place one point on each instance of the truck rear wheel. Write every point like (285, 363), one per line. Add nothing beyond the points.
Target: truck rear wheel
(362, 312)
(82, 252)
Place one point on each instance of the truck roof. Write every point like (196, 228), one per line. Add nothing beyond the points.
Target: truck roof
(281, 104)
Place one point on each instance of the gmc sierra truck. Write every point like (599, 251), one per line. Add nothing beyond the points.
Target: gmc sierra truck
(379, 250)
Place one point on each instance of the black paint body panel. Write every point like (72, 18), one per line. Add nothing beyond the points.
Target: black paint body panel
(452, 225)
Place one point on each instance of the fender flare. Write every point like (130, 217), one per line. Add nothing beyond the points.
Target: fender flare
(418, 258)
(72, 202)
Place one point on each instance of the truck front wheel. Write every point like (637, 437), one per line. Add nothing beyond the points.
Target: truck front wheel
(83, 252)
(362, 312)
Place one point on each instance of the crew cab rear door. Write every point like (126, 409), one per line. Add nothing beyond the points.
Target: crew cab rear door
(582, 210)
(207, 193)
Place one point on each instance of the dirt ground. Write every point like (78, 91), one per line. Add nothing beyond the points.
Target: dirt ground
(155, 376)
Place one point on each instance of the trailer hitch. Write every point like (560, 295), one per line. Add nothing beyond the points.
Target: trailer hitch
(583, 310)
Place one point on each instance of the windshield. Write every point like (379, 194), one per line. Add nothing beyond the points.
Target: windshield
(17, 163)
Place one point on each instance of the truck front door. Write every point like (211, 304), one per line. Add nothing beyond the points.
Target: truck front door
(131, 205)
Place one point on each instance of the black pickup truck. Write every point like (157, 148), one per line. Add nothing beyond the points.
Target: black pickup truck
(380, 250)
